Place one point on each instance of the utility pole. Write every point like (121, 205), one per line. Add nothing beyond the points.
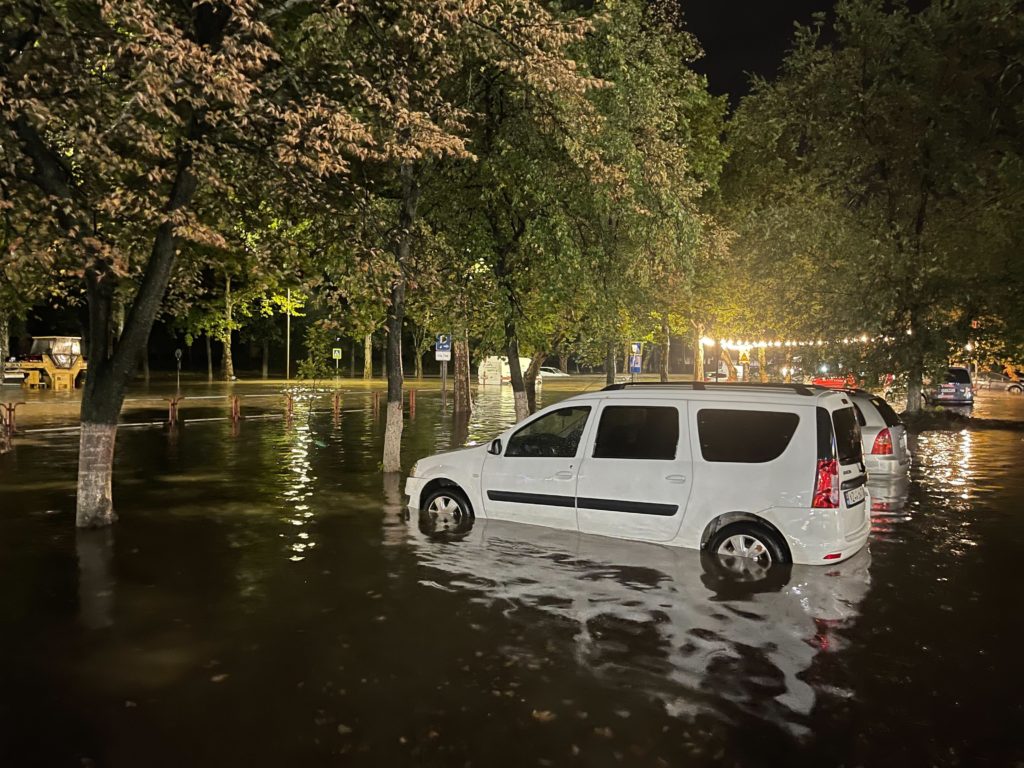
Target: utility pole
(288, 336)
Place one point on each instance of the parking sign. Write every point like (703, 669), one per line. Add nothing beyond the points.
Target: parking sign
(443, 347)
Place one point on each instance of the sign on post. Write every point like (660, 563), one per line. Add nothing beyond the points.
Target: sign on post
(336, 353)
(635, 356)
(443, 347)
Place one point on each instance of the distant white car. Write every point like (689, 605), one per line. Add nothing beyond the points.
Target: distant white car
(883, 436)
(550, 370)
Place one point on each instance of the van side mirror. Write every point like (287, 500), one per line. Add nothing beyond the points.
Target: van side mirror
(495, 449)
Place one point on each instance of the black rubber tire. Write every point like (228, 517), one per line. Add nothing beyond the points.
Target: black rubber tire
(459, 522)
(738, 577)
(1014, 390)
(776, 549)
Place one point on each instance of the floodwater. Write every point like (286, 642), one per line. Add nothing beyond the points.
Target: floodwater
(264, 601)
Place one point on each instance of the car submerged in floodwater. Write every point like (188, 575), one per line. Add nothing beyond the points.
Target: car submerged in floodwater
(773, 473)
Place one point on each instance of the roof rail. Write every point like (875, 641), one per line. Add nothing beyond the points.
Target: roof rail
(700, 386)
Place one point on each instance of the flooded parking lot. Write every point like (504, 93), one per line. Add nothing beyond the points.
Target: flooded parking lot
(264, 601)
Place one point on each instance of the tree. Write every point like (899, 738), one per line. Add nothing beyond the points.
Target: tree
(122, 122)
(885, 159)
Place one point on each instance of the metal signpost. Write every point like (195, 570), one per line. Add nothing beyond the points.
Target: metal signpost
(177, 357)
(635, 357)
(336, 354)
(443, 353)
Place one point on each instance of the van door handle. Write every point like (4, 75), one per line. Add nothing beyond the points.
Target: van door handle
(564, 475)
(676, 478)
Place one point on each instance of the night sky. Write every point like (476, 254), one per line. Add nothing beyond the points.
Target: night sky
(744, 36)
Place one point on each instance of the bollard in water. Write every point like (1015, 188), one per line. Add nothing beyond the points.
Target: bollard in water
(172, 409)
(336, 405)
(236, 409)
(289, 405)
(376, 402)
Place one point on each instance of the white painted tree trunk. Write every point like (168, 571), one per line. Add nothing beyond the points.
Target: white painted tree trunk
(522, 405)
(393, 438)
(368, 356)
(95, 506)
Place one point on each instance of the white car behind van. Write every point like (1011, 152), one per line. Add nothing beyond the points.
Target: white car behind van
(770, 472)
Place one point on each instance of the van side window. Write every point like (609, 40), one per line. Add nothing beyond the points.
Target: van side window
(554, 435)
(749, 437)
(637, 432)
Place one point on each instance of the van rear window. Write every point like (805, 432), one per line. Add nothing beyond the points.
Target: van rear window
(749, 437)
(847, 436)
(957, 376)
(889, 416)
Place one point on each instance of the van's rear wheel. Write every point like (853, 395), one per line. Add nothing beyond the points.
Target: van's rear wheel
(743, 545)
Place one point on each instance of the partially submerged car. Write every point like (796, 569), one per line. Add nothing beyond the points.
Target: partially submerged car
(770, 472)
(955, 388)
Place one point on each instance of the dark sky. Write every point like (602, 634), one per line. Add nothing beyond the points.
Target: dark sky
(744, 36)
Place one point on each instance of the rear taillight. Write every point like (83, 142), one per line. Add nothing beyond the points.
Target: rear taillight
(826, 485)
(883, 444)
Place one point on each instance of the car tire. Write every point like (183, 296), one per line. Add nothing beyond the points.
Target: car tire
(748, 540)
(1015, 389)
(447, 509)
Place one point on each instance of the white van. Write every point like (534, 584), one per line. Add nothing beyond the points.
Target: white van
(495, 370)
(770, 472)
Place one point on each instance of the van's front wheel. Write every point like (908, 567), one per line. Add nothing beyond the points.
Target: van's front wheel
(750, 541)
(448, 509)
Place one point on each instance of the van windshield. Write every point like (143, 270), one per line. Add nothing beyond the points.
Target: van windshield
(847, 430)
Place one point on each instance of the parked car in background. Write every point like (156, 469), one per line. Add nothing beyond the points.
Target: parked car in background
(883, 436)
(955, 388)
(998, 382)
(768, 472)
(550, 370)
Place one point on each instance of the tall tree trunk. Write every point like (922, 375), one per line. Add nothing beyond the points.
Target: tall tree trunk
(609, 363)
(368, 356)
(516, 371)
(666, 346)
(563, 361)
(209, 357)
(530, 380)
(396, 315)
(762, 365)
(109, 371)
(419, 364)
(265, 366)
(227, 363)
(352, 359)
(5, 338)
(462, 403)
(915, 395)
(698, 354)
(145, 362)
(729, 367)
(789, 367)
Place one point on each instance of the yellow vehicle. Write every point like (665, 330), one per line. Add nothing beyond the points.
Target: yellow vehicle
(55, 362)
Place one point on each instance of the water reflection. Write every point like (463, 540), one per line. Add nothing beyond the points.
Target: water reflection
(299, 480)
(656, 618)
(96, 583)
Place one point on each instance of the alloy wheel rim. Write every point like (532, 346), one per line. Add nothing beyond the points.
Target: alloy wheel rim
(747, 546)
(445, 509)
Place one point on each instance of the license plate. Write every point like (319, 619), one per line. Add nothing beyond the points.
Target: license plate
(854, 496)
